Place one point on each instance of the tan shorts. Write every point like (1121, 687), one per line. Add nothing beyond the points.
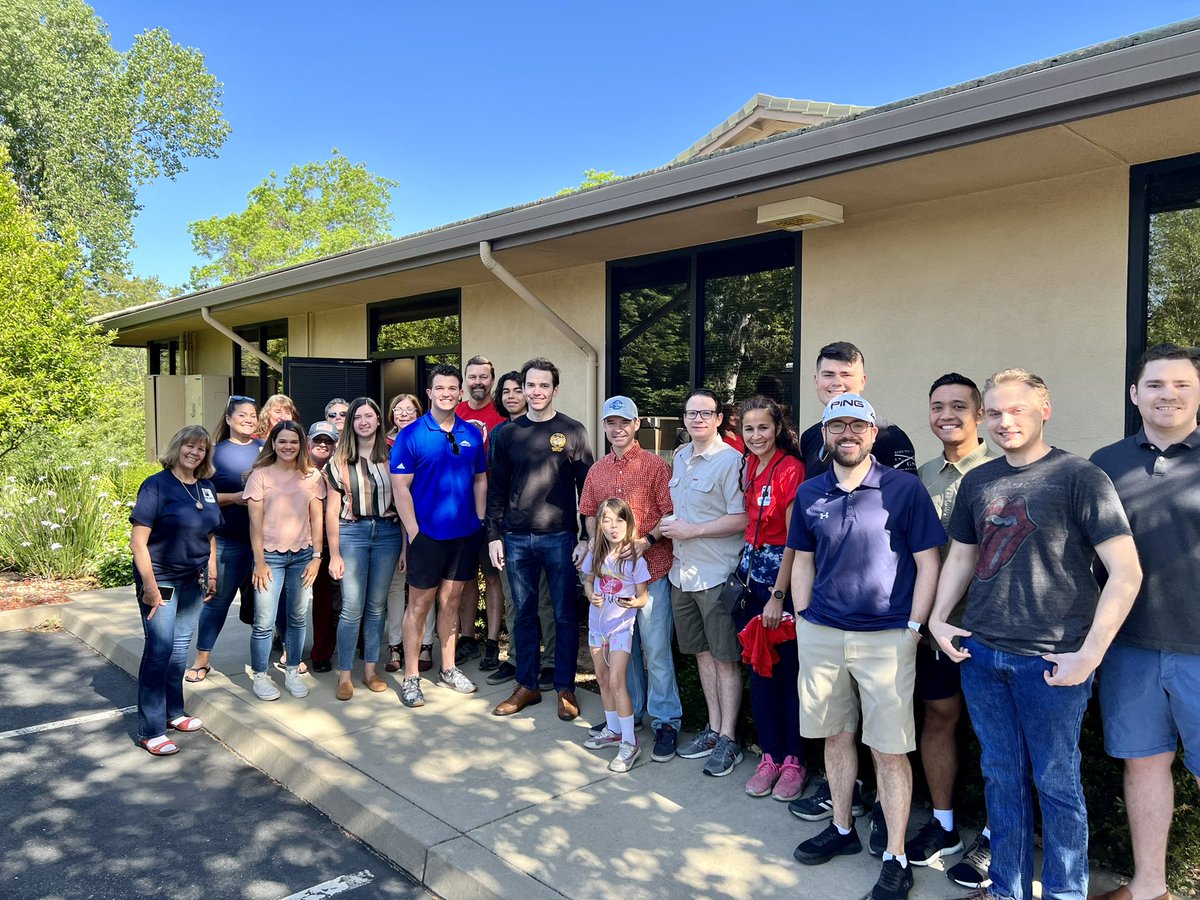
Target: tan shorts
(702, 624)
(837, 668)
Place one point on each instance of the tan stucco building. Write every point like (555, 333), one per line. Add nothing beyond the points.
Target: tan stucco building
(1000, 222)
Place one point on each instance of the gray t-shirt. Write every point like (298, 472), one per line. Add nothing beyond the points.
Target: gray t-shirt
(1037, 527)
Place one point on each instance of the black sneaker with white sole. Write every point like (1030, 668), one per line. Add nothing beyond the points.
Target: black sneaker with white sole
(895, 881)
(818, 805)
(972, 870)
(931, 843)
(505, 672)
(826, 845)
(877, 841)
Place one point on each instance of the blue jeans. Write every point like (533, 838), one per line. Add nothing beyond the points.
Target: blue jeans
(164, 656)
(1021, 722)
(370, 549)
(652, 640)
(287, 568)
(526, 557)
(234, 562)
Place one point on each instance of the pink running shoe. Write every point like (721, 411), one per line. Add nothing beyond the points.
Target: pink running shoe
(764, 777)
(792, 779)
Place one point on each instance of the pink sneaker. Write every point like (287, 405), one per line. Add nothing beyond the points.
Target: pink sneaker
(764, 777)
(792, 779)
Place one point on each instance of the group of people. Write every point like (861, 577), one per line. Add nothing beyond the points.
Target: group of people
(851, 583)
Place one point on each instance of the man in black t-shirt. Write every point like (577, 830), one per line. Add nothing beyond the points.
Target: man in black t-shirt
(539, 463)
(1024, 533)
(841, 369)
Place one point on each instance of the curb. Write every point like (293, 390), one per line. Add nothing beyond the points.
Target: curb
(31, 616)
(446, 861)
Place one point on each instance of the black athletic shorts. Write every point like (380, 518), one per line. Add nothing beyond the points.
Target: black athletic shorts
(431, 561)
(938, 675)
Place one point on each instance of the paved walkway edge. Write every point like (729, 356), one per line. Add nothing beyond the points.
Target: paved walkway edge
(31, 616)
(443, 859)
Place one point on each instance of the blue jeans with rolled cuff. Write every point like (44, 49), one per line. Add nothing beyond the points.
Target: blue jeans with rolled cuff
(1023, 723)
(235, 560)
(370, 549)
(650, 677)
(287, 572)
(165, 655)
(526, 556)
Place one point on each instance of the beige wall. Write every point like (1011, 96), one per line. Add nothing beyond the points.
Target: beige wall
(213, 354)
(331, 333)
(1030, 276)
(499, 325)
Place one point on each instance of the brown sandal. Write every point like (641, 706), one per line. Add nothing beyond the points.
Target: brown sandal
(395, 658)
(425, 660)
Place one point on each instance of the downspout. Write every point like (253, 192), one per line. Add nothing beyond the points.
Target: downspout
(240, 341)
(593, 358)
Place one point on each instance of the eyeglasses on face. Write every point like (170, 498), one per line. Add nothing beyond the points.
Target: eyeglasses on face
(693, 414)
(453, 442)
(858, 427)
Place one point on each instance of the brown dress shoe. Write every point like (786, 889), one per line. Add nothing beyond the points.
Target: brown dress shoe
(568, 707)
(1123, 893)
(345, 690)
(376, 684)
(521, 698)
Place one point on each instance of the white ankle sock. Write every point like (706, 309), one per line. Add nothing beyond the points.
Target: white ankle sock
(611, 720)
(902, 859)
(627, 729)
(843, 831)
(945, 818)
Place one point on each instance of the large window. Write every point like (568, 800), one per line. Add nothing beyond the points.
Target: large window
(1164, 258)
(411, 336)
(163, 357)
(251, 376)
(723, 317)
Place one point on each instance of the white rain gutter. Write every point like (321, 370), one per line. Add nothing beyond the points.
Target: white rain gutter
(239, 340)
(593, 358)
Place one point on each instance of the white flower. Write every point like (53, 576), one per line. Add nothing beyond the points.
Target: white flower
(131, 504)
(51, 494)
(12, 479)
(94, 478)
(111, 459)
(65, 467)
(54, 526)
(61, 511)
(41, 478)
(26, 544)
(46, 523)
(56, 546)
(29, 501)
(102, 496)
(122, 465)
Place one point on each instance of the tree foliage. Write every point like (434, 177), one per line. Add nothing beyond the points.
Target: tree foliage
(591, 179)
(85, 125)
(319, 208)
(50, 358)
(1174, 283)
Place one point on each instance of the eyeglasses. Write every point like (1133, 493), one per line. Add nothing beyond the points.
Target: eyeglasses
(693, 414)
(453, 442)
(858, 427)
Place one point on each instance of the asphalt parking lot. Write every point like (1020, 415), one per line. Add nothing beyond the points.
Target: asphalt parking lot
(87, 813)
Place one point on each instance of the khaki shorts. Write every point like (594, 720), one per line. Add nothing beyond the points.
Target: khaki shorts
(702, 624)
(837, 668)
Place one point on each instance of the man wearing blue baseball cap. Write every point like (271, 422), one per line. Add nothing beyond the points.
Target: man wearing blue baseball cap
(866, 538)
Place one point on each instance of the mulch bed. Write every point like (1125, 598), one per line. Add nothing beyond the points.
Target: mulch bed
(18, 591)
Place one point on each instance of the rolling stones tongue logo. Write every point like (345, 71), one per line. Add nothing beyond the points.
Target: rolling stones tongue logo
(1006, 525)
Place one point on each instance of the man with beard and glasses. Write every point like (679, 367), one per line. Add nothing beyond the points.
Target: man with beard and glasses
(478, 409)
(1025, 532)
(866, 538)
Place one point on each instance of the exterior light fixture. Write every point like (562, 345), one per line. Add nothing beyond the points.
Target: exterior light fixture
(800, 214)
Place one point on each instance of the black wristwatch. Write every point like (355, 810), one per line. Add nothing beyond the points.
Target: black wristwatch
(777, 595)
(651, 539)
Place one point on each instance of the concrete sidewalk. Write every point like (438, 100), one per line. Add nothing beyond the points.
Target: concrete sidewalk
(478, 806)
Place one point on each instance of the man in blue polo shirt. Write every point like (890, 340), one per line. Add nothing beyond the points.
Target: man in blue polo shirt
(866, 538)
(439, 479)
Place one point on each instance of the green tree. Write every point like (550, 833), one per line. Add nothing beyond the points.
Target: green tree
(1174, 282)
(591, 179)
(85, 125)
(50, 358)
(320, 208)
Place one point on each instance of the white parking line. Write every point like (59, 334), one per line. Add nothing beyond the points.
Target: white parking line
(65, 723)
(337, 885)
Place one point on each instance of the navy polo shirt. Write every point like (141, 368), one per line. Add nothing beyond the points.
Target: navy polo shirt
(864, 543)
(179, 541)
(443, 485)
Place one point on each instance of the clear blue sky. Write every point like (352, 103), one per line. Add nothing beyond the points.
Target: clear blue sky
(474, 107)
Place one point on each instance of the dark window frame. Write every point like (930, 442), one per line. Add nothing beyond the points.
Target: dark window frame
(259, 334)
(698, 263)
(411, 309)
(1150, 191)
(154, 350)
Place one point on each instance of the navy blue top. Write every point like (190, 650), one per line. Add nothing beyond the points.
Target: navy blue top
(179, 533)
(864, 543)
(443, 485)
(232, 462)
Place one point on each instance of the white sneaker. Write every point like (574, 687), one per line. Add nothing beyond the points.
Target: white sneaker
(291, 681)
(626, 758)
(264, 687)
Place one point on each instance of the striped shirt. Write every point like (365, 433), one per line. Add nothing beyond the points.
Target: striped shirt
(365, 488)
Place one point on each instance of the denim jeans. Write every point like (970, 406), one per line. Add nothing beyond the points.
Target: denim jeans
(287, 569)
(370, 549)
(1021, 722)
(527, 556)
(234, 561)
(652, 640)
(775, 700)
(165, 654)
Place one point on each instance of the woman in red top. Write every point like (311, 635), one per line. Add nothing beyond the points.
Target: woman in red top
(771, 473)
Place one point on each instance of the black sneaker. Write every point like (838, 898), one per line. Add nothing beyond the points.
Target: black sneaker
(972, 870)
(818, 805)
(930, 843)
(895, 881)
(877, 842)
(546, 678)
(506, 671)
(666, 741)
(491, 656)
(826, 845)
(468, 648)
